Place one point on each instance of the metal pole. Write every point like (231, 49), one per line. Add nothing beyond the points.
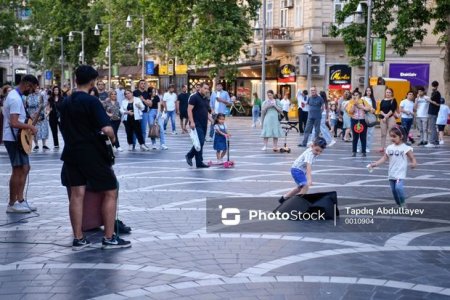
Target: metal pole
(263, 54)
(62, 61)
(143, 48)
(309, 72)
(109, 57)
(369, 23)
(82, 48)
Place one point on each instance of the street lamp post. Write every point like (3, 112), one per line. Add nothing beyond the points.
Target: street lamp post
(61, 39)
(97, 32)
(129, 25)
(359, 11)
(82, 43)
(263, 54)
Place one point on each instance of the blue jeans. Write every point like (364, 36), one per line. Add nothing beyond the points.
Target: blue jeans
(152, 117)
(398, 191)
(407, 123)
(201, 132)
(145, 122)
(170, 115)
(324, 130)
(310, 124)
(255, 114)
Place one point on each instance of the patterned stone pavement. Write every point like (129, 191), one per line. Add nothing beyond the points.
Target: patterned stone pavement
(175, 257)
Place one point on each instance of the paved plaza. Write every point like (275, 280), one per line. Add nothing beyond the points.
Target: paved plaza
(174, 256)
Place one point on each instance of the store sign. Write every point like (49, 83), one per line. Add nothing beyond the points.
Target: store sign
(287, 73)
(149, 67)
(378, 49)
(21, 72)
(163, 70)
(340, 77)
(171, 67)
(48, 75)
(181, 69)
(416, 74)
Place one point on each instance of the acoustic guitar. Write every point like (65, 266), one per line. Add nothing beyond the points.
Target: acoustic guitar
(26, 136)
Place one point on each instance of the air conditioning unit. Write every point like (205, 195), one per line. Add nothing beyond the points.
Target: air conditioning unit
(301, 65)
(318, 65)
(315, 70)
(289, 3)
(315, 60)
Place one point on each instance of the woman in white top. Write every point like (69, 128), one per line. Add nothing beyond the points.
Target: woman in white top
(131, 110)
(285, 104)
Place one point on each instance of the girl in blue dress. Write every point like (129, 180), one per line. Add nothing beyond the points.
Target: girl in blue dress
(220, 137)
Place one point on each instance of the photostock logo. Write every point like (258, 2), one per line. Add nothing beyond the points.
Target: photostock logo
(230, 216)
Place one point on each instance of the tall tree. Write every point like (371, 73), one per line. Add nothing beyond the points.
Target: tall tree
(402, 22)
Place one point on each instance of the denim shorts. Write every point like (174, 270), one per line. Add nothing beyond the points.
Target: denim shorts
(299, 177)
(17, 157)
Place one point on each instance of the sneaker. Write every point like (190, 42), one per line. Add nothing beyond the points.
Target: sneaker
(154, 147)
(364, 155)
(429, 145)
(209, 139)
(28, 205)
(130, 148)
(115, 242)
(253, 125)
(36, 148)
(144, 148)
(119, 149)
(332, 143)
(120, 227)
(164, 147)
(441, 142)
(264, 148)
(354, 154)
(420, 144)
(174, 132)
(79, 244)
(17, 208)
(45, 148)
(56, 148)
(358, 150)
(282, 199)
(367, 150)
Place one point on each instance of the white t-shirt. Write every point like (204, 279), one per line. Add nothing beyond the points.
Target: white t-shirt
(170, 99)
(442, 117)
(422, 107)
(407, 105)
(398, 161)
(303, 101)
(303, 159)
(13, 105)
(285, 104)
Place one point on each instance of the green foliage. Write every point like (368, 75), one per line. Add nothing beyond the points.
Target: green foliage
(403, 21)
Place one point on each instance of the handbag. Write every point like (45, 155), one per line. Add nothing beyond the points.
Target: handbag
(155, 131)
(371, 119)
(195, 141)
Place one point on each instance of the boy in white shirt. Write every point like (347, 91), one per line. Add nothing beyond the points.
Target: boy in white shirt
(170, 99)
(441, 122)
(421, 109)
(286, 104)
(407, 110)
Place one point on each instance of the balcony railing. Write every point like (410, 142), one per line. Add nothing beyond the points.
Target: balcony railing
(275, 34)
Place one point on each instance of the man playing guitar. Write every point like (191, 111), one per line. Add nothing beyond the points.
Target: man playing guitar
(14, 119)
(85, 165)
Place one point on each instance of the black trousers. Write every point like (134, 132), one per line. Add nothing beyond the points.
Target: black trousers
(361, 136)
(133, 127)
(302, 119)
(201, 132)
(286, 115)
(54, 128)
(115, 125)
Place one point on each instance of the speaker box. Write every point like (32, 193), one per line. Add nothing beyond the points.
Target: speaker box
(92, 210)
(319, 202)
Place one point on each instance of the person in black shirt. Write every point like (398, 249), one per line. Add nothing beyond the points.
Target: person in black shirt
(388, 107)
(182, 103)
(199, 114)
(433, 110)
(83, 118)
(53, 117)
(142, 93)
(102, 93)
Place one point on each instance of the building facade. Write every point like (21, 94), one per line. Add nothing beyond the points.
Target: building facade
(292, 25)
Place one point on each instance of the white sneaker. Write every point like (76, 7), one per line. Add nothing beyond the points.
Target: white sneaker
(144, 148)
(264, 148)
(253, 125)
(358, 150)
(429, 145)
(164, 147)
(174, 133)
(28, 205)
(441, 142)
(154, 147)
(17, 208)
(119, 149)
(332, 143)
(130, 148)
